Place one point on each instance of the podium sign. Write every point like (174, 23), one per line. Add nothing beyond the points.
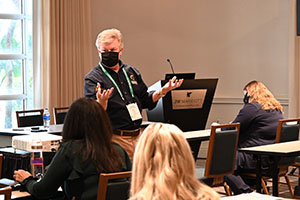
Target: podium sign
(187, 99)
(187, 107)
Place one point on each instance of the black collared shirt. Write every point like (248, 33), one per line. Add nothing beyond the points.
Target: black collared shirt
(116, 107)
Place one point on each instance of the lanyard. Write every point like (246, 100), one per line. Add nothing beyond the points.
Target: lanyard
(113, 81)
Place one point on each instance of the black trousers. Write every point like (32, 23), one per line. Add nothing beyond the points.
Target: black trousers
(237, 184)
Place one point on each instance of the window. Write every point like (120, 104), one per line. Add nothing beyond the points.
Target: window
(16, 68)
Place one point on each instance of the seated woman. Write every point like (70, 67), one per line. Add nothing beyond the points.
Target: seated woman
(86, 150)
(258, 125)
(163, 167)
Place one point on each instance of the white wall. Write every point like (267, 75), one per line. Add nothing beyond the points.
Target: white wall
(234, 40)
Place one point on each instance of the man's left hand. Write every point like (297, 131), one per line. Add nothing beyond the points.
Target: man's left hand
(172, 84)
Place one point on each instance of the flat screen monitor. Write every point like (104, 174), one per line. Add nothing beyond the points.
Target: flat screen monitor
(180, 76)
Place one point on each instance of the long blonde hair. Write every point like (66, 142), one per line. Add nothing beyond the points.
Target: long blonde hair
(259, 93)
(164, 169)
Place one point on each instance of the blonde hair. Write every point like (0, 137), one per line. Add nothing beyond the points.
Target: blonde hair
(164, 169)
(259, 93)
(108, 35)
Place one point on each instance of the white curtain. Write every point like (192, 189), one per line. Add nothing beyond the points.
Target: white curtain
(36, 53)
(294, 64)
(65, 50)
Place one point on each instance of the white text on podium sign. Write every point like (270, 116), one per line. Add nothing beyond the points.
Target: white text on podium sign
(188, 99)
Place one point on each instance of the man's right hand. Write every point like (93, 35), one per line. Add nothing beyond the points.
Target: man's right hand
(103, 95)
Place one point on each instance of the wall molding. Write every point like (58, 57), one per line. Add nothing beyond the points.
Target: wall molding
(238, 100)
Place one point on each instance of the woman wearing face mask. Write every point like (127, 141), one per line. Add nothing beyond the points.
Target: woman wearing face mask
(259, 119)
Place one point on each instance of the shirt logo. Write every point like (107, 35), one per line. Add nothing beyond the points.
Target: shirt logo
(133, 81)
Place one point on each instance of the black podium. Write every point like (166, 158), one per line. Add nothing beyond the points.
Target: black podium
(187, 107)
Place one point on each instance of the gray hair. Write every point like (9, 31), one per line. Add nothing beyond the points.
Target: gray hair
(106, 36)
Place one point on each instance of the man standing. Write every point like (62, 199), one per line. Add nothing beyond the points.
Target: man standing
(119, 88)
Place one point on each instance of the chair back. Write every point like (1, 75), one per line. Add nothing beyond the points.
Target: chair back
(117, 189)
(1, 158)
(60, 114)
(222, 149)
(287, 130)
(30, 118)
(6, 191)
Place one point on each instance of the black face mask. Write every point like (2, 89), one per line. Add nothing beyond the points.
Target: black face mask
(110, 58)
(246, 98)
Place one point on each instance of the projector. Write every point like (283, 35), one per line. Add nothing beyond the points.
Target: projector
(50, 142)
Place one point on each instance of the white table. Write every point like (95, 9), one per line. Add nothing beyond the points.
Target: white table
(275, 152)
(201, 135)
(251, 196)
(17, 195)
(195, 138)
(6, 134)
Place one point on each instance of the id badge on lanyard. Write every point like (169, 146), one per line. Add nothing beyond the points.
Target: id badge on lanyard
(134, 111)
(132, 108)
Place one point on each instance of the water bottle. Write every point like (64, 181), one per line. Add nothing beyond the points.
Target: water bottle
(37, 163)
(46, 118)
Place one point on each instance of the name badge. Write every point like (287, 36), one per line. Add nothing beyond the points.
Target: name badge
(134, 111)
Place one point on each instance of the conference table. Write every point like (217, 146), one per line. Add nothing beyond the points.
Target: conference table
(53, 129)
(8, 133)
(200, 135)
(17, 195)
(275, 152)
(193, 137)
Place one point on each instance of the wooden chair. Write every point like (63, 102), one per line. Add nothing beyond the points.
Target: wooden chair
(60, 114)
(221, 156)
(287, 130)
(1, 159)
(30, 118)
(117, 189)
(297, 192)
(6, 191)
(296, 166)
